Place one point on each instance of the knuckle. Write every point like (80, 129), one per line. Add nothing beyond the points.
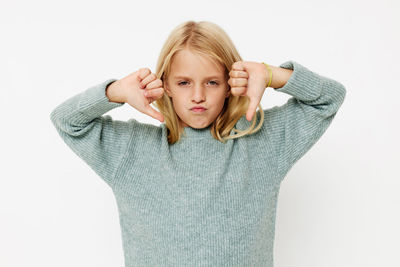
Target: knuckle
(144, 70)
(237, 64)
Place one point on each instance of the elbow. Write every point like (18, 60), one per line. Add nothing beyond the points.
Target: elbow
(335, 93)
(53, 117)
(67, 126)
(57, 117)
(337, 97)
(340, 95)
(331, 100)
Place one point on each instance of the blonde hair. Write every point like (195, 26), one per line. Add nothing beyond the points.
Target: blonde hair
(209, 39)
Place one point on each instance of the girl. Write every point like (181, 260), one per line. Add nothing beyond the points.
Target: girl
(201, 189)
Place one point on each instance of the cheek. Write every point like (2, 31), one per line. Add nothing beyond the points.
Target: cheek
(178, 103)
(220, 99)
(179, 98)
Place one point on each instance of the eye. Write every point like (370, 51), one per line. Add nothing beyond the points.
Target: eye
(215, 83)
(185, 82)
(180, 83)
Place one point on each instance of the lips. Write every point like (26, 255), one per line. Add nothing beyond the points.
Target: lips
(198, 109)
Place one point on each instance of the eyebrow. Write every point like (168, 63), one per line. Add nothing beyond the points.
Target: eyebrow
(186, 77)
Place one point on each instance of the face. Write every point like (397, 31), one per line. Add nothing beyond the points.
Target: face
(196, 80)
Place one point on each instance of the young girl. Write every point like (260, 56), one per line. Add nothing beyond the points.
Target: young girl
(201, 189)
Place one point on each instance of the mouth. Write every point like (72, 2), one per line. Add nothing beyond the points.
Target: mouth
(198, 110)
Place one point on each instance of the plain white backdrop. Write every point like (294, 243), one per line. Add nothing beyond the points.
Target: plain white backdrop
(339, 204)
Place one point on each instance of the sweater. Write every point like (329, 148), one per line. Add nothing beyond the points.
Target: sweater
(198, 202)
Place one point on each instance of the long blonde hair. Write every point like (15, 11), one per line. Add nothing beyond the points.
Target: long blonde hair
(209, 39)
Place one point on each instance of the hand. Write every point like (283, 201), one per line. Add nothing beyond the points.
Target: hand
(248, 78)
(141, 88)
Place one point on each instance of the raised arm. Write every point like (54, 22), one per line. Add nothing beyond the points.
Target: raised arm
(298, 124)
(99, 140)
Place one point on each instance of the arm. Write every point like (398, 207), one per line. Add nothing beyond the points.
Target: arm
(298, 124)
(280, 76)
(100, 141)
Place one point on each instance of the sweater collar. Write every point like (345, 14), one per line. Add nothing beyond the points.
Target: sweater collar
(197, 133)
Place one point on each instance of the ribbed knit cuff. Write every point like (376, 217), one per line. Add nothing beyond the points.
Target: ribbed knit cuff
(94, 101)
(303, 84)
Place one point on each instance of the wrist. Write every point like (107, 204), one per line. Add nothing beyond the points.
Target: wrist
(114, 92)
(282, 76)
(269, 74)
(276, 77)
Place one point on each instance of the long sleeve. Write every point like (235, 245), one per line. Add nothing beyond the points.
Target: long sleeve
(99, 140)
(302, 120)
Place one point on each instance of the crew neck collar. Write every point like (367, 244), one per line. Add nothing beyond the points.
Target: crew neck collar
(197, 133)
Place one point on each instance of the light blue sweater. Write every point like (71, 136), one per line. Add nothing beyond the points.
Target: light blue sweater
(198, 202)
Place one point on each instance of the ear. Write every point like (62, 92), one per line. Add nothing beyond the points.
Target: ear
(167, 90)
(228, 93)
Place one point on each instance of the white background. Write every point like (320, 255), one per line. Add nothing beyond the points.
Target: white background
(339, 204)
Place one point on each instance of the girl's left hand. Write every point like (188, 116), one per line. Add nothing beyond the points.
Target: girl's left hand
(248, 78)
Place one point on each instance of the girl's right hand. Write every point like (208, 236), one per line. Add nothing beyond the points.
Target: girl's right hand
(141, 88)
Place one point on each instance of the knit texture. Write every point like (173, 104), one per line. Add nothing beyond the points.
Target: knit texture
(198, 202)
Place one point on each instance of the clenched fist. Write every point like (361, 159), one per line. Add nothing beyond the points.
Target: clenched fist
(248, 78)
(139, 89)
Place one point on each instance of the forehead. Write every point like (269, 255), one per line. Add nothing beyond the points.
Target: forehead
(186, 64)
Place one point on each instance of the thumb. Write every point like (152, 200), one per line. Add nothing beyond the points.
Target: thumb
(251, 110)
(154, 113)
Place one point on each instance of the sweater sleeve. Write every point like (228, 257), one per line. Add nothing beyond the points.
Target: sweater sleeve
(98, 140)
(303, 119)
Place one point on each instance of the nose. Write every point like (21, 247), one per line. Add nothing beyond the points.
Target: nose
(199, 94)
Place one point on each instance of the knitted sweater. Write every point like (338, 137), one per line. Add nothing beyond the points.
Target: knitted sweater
(198, 202)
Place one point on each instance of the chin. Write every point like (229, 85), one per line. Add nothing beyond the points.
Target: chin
(197, 124)
(200, 125)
